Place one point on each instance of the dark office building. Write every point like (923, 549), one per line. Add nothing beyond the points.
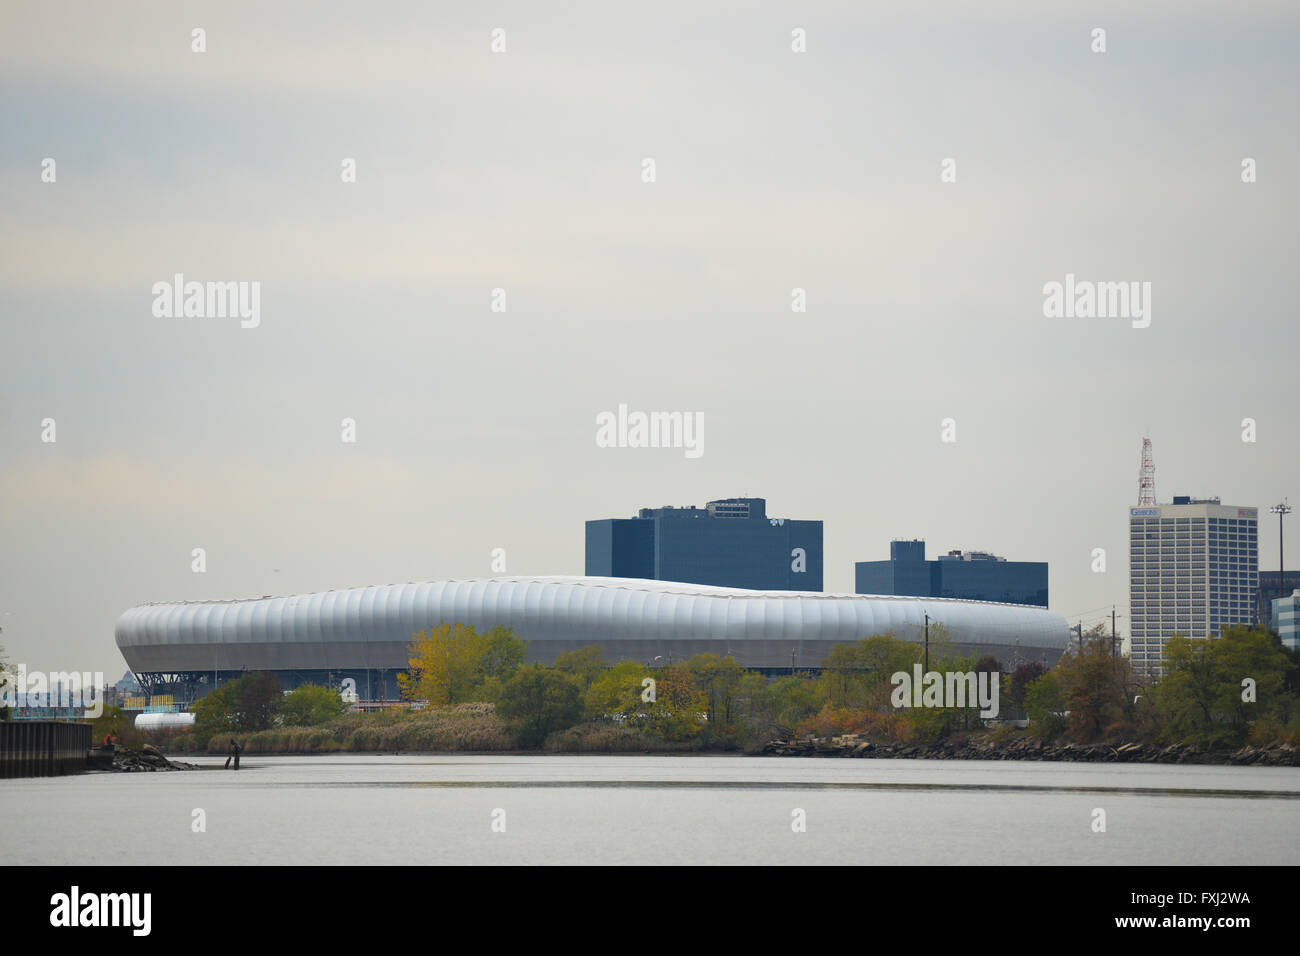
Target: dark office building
(972, 575)
(729, 543)
(1268, 590)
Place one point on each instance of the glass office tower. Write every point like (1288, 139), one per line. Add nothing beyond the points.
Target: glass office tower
(971, 575)
(730, 542)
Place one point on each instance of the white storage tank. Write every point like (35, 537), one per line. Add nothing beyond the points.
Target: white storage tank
(163, 721)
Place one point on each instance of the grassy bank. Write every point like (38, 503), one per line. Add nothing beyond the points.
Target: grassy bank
(463, 728)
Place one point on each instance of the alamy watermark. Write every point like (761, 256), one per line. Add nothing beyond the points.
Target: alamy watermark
(949, 689)
(22, 688)
(75, 908)
(625, 429)
(208, 300)
(1084, 299)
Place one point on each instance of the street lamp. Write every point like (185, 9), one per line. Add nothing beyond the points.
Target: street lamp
(1281, 510)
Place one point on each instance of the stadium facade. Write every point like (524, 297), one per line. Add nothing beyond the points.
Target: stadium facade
(364, 633)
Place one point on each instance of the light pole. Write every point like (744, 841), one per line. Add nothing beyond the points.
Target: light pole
(1281, 510)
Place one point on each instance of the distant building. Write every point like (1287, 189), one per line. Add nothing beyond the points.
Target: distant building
(1286, 617)
(128, 684)
(968, 575)
(1269, 592)
(1193, 570)
(730, 543)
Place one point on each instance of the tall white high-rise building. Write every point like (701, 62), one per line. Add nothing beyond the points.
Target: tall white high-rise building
(1193, 570)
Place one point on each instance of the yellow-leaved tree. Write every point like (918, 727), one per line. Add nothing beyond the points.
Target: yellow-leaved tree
(445, 665)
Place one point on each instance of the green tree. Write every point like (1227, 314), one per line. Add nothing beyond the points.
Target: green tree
(780, 706)
(841, 676)
(1244, 656)
(586, 664)
(1044, 704)
(1201, 698)
(943, 649)
(239, 706)
(502, 654)
(1094, 684)
(259, 700)
(309, 705)
(718, 678)
(217, 712)
(755, 715)
(538, 701)
(678, 710)
(113, 721)
(617, 694)
(1019, 682)
(855, 675)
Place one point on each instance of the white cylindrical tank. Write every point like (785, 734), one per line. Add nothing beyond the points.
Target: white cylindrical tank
(163, 721)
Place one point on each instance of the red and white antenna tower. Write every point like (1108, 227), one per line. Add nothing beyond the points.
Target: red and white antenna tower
(1147, 477)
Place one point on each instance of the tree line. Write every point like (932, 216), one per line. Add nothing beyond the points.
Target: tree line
(1241, 687)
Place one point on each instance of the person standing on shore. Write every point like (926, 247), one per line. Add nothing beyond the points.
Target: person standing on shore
(235, 748)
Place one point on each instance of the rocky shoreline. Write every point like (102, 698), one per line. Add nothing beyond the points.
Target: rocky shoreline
(856, 745)
(147, 758)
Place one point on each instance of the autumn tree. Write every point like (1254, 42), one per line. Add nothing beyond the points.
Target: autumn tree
(450, 664)
(1094, 684)
(678, 710)
(617, 694)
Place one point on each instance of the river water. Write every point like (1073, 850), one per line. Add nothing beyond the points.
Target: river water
(353, 809)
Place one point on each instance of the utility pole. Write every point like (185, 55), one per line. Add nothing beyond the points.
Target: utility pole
(927, 642)
(1079, 629)
(1112, 631)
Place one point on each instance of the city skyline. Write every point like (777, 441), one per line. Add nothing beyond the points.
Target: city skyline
(783, 181)
(1100, 614)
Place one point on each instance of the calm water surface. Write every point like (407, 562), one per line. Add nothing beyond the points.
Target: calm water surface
(343, 810)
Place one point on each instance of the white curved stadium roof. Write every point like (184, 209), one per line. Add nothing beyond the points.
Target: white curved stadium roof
(372, 626)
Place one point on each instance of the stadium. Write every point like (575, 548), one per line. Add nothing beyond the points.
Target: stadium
(364, 633)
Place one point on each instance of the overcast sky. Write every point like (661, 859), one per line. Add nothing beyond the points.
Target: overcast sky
(523, 170)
